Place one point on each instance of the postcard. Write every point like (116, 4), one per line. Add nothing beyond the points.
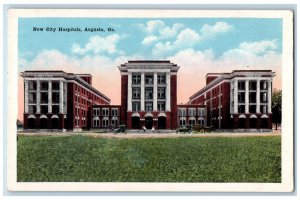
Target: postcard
(150, 100)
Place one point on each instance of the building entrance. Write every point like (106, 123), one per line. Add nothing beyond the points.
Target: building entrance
(148, 122)
(135, 123)
(161, 123)
(31, 123)
(43, 123)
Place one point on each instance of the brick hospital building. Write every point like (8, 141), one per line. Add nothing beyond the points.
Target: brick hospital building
(56, 100)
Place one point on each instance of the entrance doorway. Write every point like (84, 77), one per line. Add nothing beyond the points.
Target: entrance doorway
(135, 123)
(31, 123)
(253, 123)
(148, 122)
(54, 123)
(161, 123)
(43, 123)
(242, 123)
(264, 123)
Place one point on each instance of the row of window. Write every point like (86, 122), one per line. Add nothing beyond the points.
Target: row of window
(44, 85)
(149, 79)
(79, 111)
(182, 121)
(105, 111)
(43, 109)
(253, 85)
(32, 97)
(252, 97)
(136, 106)
(105, 122)
(136, 93)
(252, 108)
(191, 111)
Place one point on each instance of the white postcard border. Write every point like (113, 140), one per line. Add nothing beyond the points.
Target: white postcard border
(287, 184)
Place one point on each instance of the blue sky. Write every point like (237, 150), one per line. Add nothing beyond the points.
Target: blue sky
(133, 33)
(197, 45)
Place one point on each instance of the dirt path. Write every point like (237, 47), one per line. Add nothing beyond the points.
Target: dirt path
(154, 135)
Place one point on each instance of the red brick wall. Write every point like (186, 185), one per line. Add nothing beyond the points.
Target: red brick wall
(210, 79)
(70, 106)
(173, 116)
(124, 92)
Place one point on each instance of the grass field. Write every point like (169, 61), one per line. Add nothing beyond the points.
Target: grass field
(82, 158)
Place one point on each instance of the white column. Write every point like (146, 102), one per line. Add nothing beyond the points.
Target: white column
(142, 91)
(258, 96)
(247, 96)
(155, 93)
(61, 96)
(129, 94)
(49, 97)
(235, 96)
(65, 97)
(26, 109)
(168, 93)
(269, 96)
(38, 97)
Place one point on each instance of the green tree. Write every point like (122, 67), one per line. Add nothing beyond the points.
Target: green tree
(276, 106)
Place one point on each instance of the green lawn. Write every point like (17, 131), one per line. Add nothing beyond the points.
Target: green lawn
(84, 158)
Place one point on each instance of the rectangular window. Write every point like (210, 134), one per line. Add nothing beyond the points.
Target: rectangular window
(241, 97)
(32, 97)
(252, 108)
(161, 93)
(44, 97)
(44, 109)
(241, 85)
(252, 97)
(136, 106)
(182, 111)
(149, 106)
(263, 109)
(252, 85)
(149, 93)
(105, 111)
(104, 122)
(161, 106)
(161, 79)
(263, 85)
(55, 85)
(55, 97)
(192, 111)
(32, 109)
(96, 122)
(241, 109)
(182, 121)
(114, 112)
(44, 85)
(31, 85)
(263, 97)
(136, 79)
(136, 93)
(201, 111)
(149, 79)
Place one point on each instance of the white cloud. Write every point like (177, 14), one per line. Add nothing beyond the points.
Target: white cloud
(185, 39)
(156, 30)
(208, 31)
(98, 44)
(152, 26)
(149, 40)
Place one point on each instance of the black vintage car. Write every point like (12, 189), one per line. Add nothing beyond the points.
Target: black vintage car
(120, 129)
(184, 129)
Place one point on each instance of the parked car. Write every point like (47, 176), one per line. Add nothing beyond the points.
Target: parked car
(120, 129)
(184, 129)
